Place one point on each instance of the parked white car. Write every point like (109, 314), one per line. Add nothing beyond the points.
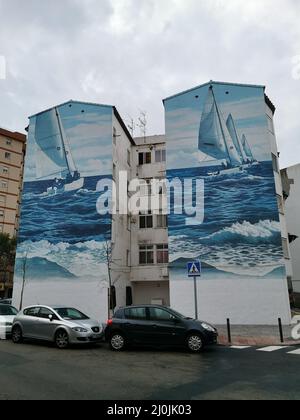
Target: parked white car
(7, 316)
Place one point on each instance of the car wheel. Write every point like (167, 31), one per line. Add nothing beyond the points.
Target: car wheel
(117, 342)
(62, 339)
(17, 335)
(195, 343)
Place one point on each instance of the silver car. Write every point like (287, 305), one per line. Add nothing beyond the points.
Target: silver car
(7, 316)
(58, 324)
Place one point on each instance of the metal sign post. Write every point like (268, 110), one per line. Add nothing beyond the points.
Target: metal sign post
(194, 270)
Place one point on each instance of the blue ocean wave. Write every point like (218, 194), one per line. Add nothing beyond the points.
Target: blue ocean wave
(266, 231)
(70, 217)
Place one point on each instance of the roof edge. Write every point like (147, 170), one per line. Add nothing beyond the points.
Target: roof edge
(123, 125)
(216, 83)
(13, 135)
(70, 102)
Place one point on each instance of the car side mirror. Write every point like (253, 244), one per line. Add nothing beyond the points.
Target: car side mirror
(50, 318)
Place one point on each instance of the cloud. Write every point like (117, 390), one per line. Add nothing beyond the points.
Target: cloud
(134, 53)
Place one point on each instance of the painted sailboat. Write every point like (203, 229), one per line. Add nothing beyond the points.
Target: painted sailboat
(221, 140)
(54, 156)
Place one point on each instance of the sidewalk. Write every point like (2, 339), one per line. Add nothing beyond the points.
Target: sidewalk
(255, 335)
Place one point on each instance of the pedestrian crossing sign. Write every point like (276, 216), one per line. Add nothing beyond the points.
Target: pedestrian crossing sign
(194, 269)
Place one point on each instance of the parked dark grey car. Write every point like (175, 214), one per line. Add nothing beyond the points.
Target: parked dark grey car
(61, 325)
(150, 325)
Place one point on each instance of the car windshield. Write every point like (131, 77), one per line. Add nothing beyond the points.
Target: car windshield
(71, 314)
(6, 310)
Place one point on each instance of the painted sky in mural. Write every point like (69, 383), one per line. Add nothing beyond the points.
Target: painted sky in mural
(219, 133)
(62, 237)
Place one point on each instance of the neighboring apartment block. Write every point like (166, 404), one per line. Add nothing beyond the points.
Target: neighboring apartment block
(12, 151)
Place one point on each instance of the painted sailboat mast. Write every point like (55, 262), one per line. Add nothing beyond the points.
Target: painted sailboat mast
(69, 159)
(221, 126)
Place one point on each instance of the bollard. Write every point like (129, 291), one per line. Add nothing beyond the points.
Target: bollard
(229, 331)
(280, 330)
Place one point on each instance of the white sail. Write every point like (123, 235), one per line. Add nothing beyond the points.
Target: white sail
(211, 140)
(54, 157)
(48, 138)
(247, 148)
(235, 138)
(214, 137)
(235, 159)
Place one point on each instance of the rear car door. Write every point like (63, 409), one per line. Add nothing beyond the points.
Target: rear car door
(166, 328)
(137, 326)
(30, 322)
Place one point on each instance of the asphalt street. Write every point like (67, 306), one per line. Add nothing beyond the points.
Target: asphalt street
(35, 371)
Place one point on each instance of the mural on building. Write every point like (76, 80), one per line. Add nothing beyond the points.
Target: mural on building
(61, 252)
(219, 133)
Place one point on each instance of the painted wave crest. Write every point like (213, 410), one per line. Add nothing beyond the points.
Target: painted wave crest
(84, 258)
(261, 232)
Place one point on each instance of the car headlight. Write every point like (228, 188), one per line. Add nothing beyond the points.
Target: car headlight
(80, 330)
(208, 327)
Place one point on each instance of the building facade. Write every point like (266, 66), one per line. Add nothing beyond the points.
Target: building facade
(222, 136)
(291, 188)
(88, 239)
(12, 151)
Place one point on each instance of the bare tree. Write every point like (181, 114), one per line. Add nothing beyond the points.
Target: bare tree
(131, 126)
(143, 124)
(108, 260)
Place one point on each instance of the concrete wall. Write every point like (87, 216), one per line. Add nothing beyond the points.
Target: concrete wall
(292, 215)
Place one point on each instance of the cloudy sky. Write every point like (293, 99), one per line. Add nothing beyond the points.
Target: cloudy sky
(133, 53)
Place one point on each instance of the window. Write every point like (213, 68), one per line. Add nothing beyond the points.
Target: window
(2, 200)
(128, 157)
(285, 245)
(144, 158)
(280, 204)
(136, 313)
(275, 163)
(162, 221)
(157, 314)
(1, 214)
(8, 142)
(3, 185)
(7, 155)
(162, 254)
(45, 313)
(71, 314)
(160, 156)
(5, 170)
(32, 312)
(146, 254)
(146, 220)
